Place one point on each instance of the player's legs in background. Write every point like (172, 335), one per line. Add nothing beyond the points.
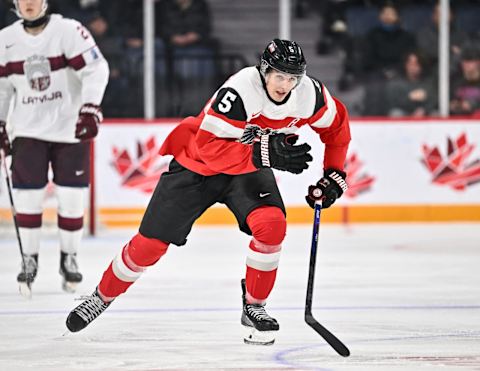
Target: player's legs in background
(70, 228)
(70, 164)
(29, 179)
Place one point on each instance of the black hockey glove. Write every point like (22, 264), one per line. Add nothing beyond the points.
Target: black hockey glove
(89, 117)
(279, 151)
(4, 141)
(327, 189)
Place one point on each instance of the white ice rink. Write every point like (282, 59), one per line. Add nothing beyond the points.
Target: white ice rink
(401, 297)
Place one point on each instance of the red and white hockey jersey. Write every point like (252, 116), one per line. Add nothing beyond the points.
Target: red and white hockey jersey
(219, 139)
(49, 76)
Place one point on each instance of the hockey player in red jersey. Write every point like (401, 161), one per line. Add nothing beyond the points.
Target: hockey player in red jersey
(226, 155)
(53, 76)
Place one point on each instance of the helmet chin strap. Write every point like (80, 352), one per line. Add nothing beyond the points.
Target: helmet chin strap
(37, 22)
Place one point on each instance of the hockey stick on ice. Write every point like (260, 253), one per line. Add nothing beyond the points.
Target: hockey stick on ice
(331, 339)
(28, 292)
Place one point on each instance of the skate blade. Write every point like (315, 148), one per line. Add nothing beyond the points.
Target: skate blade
(70, 287)
(255, 337)
(25, 290)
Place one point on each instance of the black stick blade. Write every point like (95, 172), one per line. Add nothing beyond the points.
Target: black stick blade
(331, 339)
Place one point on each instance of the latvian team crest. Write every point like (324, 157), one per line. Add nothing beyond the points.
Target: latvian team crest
(37, 69)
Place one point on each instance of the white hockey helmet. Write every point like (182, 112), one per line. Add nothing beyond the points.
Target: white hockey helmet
(42, 12)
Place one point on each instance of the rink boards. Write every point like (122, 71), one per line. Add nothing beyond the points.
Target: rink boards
(400, 170)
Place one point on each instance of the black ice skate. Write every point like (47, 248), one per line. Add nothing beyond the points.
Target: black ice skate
(26, 277)
(69, 271)
(86, 312)
(260, 327)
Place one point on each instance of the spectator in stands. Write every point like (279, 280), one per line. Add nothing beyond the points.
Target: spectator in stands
(384, 49)
(427, 39)
(125, 19)
(183, 23)
(386, 45)
(115, 102)
(334, 26)
(414, 92)
(465, 89)
(77, 9)
(185, 28)
(129, 15)
(4, 9)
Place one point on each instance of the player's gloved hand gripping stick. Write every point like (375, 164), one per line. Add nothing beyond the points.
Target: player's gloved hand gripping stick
(330, 187)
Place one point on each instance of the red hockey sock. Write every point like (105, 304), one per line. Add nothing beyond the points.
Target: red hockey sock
(128, 266)
(268, 226)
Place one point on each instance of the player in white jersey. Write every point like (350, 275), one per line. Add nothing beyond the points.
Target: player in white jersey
(52, 78)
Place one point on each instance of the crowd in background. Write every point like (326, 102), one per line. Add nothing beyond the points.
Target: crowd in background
(386, 47)
(391, 49)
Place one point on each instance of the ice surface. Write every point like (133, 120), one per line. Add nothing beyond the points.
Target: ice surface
(401, 297)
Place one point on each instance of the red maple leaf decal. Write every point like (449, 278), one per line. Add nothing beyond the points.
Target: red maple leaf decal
(357, 183)
(452, 170)
(142, 172)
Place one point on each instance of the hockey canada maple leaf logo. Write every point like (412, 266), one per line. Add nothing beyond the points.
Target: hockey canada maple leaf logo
(142, 172)
(453, 169)
(357, 182)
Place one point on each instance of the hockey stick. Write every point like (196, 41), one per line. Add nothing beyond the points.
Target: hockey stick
(14, 216)
(331, 339)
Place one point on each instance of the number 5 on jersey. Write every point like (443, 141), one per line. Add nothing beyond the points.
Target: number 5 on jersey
(225, 104)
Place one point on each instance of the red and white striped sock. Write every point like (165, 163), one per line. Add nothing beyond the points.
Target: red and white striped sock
(140, 253)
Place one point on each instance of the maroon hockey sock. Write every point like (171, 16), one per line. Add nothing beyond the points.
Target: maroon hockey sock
(70, 224)
(127, 267)
(29, 220)
(268, 226)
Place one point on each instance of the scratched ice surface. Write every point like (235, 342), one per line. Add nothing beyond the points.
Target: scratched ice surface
(402, 297)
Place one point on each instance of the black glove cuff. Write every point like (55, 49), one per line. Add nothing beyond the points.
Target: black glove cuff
(338, 178)
(261, 154)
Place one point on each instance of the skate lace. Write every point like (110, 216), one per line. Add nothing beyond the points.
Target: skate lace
(258, 312)
(91, 307)
(30, 265)
(70, 263)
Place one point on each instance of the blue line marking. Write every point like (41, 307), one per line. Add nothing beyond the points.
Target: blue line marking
(206, 310)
